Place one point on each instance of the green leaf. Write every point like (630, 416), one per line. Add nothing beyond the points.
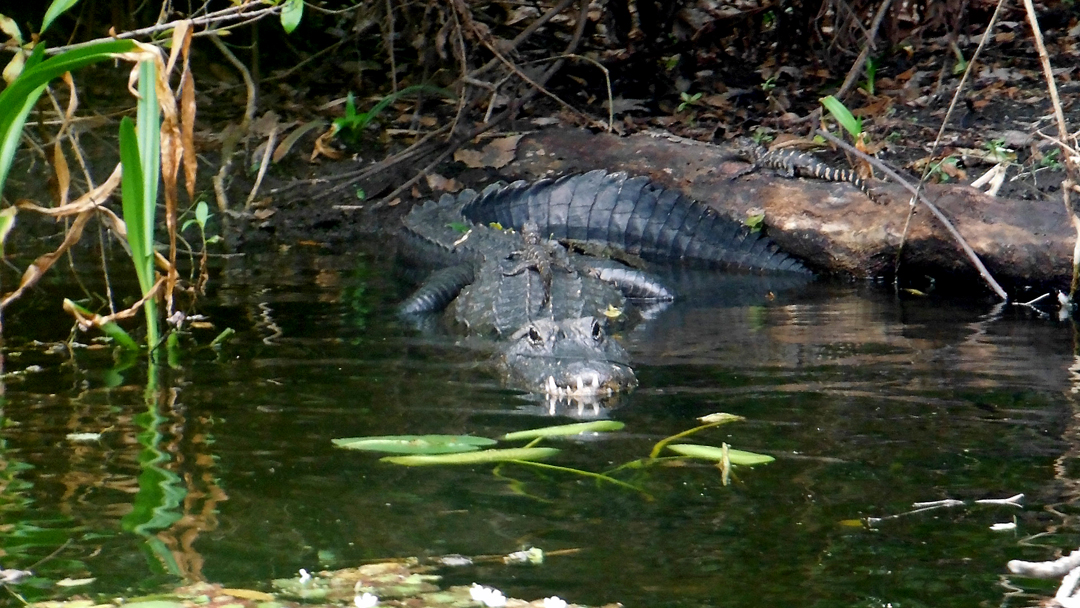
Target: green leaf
(708, 452)
(19, 97)
(110, 329)
(483, 457)
(56, 9)
(415, 444)
(148, 118)
(7, 222)
(131, 191)
(355, 123)
(842, 115)
(562, 430)
(291, 13)
(223, 337)
(350, 107)
(755, 222)
(202, 213)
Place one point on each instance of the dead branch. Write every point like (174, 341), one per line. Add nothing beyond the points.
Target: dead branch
(511, 110)
(987, 277)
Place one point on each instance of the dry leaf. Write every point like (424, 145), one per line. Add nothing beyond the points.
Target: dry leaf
(438, 183)
(249, 594)
(472, 158)
(266, 123)
(496, 154)
(323, 147)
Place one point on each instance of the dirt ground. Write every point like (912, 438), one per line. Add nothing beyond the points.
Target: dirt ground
(1003, 120)
(705, 79)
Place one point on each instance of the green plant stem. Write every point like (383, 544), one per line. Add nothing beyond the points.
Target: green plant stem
(641, 463)
(598, 476)
(149, 126)
(663, 442)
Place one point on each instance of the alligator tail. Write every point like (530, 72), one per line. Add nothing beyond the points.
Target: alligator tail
(631, 214)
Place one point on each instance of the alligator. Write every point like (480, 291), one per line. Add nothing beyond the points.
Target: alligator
(629, 218)
(550, 308)
(515, 269)
(790, 163)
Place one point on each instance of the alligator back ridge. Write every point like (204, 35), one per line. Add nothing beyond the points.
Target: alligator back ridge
(631, 214)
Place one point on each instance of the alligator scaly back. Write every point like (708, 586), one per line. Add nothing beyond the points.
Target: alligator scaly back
(630, 214)
(497, 281)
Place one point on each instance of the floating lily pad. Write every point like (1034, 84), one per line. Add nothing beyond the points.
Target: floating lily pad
(415, 444)
(708, 452)
(560, 430)
(485, 456)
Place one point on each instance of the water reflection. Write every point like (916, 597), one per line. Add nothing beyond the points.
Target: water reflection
(868, 403)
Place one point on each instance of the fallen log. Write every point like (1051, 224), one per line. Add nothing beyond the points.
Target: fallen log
(831, 225)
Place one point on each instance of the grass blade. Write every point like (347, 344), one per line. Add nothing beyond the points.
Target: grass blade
(563, 430)
(708, 452)
(57, 8)
(19, 97)
(481, 457)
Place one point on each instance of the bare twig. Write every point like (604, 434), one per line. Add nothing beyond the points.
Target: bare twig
(354, 176)
(245, 12)
(486, 41)
(871, 36)
(1070, 160)
(523, 36)
(262, 168)
(511, 110)
(249, 82)
(607, 81)
(390, 45)
(917, 195)
(1054, 569)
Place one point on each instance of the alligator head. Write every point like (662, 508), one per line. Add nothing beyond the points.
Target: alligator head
(571, 359)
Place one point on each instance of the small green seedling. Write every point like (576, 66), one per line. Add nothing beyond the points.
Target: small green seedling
(352, 124)
(842, 115)
(871, 76)
(687, 100)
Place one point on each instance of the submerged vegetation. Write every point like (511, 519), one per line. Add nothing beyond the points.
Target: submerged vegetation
(463, 449)
(403, 583)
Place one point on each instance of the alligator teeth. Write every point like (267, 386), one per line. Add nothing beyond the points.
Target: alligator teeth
(580, 386)
(596, 380)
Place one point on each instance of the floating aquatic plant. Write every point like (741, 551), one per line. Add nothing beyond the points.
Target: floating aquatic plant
(425, 450)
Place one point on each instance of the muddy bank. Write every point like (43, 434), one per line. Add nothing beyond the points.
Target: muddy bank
(833, 226)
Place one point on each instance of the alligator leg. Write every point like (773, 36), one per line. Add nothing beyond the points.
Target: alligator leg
(438, 290)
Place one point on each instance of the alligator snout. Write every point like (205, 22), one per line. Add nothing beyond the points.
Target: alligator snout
(569, 359)
(590, 380)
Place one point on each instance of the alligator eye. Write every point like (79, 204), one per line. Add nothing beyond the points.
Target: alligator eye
(535, 337)
(597, 331)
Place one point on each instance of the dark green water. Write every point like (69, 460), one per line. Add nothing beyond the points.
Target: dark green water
(868, 403)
